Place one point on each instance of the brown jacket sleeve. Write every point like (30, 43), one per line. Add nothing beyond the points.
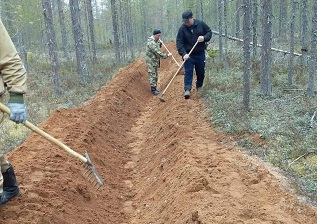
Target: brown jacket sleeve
(12, 72)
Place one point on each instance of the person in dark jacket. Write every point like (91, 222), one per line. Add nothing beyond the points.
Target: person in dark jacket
(191, 31)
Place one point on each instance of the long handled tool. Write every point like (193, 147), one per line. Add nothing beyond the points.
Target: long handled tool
(169, 52)
(178, 70)
(85, 159)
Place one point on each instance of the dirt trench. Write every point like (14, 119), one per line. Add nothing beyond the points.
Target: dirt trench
(161, 163)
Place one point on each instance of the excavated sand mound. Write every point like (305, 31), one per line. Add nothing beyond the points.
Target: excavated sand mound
(162, 163)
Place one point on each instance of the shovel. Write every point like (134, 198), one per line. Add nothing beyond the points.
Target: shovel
(178, 70)
(85, 159)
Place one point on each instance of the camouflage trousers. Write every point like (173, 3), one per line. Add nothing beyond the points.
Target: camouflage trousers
(4, 165)
(152, 72)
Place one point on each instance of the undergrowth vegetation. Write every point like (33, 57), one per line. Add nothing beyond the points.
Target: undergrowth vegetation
(280, 129)
(41, 100)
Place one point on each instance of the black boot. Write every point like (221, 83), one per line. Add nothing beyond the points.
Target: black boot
(10, 186)
(155, 91)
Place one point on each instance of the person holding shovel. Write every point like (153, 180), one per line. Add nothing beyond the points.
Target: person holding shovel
(190, 32)
(13, 80)
(153, 55)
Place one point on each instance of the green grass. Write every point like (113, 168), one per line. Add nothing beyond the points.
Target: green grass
(282, 120)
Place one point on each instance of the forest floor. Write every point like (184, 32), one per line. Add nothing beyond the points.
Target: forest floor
(162, 162)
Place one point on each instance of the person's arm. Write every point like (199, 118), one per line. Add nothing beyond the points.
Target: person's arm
(11, 66)
(155, 48)
(13, 76)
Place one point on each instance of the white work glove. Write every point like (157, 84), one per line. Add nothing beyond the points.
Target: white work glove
(186, 56)
(169, 54)
(201, 39)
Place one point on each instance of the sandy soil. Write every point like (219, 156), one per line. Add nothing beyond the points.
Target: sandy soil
(162, 163)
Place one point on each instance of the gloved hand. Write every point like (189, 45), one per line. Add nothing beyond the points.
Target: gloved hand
(17, 108)
(18, 112)
(201, 39)
(186, 56)
(169, 54)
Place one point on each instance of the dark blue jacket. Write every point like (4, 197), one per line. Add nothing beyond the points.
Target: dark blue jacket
(186, 39)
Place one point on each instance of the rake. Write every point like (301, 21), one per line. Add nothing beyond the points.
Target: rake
(91, 171)
(178, 70)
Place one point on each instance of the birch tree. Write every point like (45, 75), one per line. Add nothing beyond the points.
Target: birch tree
(79, 41)
(312, 60)
(266, 85)
(52, 45)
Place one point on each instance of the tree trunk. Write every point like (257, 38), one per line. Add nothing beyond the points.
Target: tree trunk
(225, 24)
(283, 18)
(254, 28)
(246, 54)
(292, 40)
(52, 45)
(304, 33)
(199, 10)
(91, 30)
(266, 84)
(312, 65)
(115, 31)
(237, 18)
(220, 13)
(79, 42)
(63, 28)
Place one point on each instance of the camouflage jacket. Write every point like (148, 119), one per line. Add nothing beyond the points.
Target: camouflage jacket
(12, 72)
(153, 52)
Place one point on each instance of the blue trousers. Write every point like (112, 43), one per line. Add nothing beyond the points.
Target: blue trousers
(196, 62)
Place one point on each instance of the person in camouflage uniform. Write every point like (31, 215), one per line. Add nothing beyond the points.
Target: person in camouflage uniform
(153, 55)
(12, 80)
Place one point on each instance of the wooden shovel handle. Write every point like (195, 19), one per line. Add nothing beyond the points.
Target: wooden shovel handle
(179, 69)
(170, 53)
(47, 136)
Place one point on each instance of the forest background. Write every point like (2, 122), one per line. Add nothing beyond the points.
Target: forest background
(260, 73)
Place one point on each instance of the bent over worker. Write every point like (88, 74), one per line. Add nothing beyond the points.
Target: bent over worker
(153, 55)
(13, 80)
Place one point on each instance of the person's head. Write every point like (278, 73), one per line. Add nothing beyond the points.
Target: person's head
(188, 19)
(156, 34)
